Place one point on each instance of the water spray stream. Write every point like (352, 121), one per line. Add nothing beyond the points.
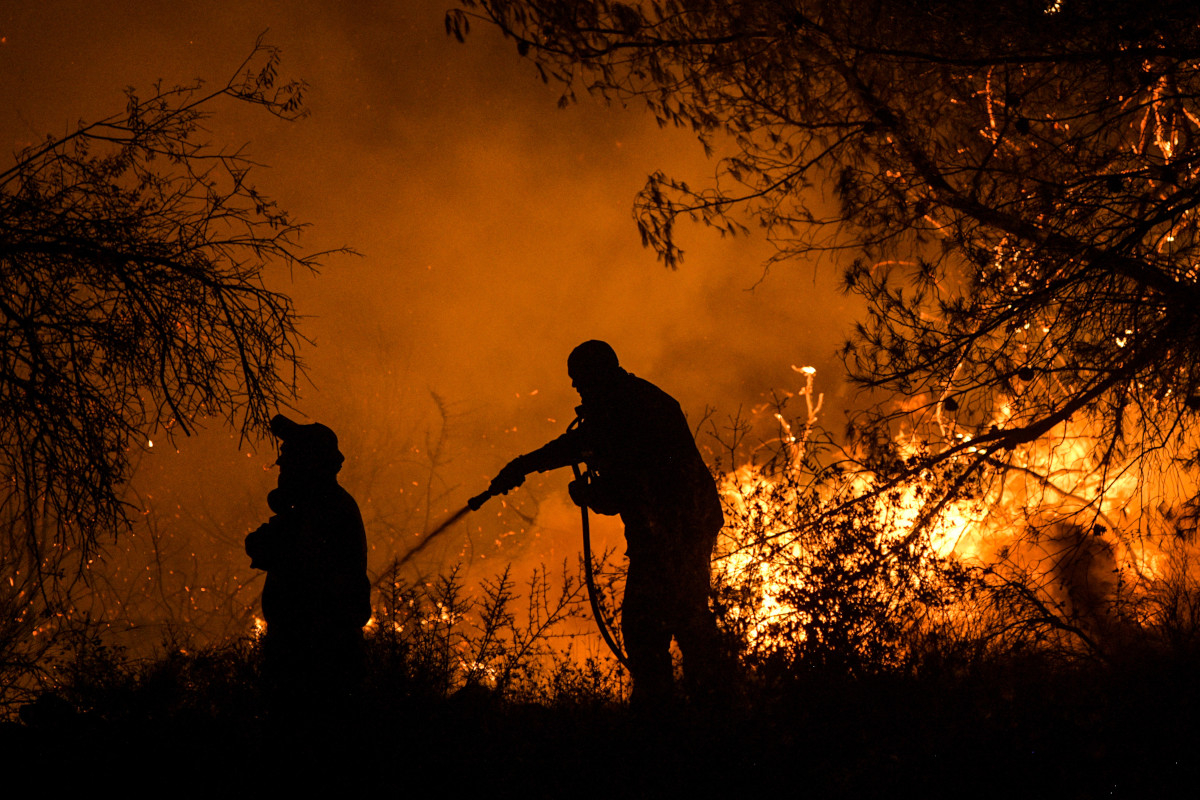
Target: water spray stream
(472, 505)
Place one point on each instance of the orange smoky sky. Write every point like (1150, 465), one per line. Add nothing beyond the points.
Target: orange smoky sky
(495, 233)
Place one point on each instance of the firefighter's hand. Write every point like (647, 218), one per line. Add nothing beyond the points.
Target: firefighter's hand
(512, 476)
(580, 492)
(258, 546)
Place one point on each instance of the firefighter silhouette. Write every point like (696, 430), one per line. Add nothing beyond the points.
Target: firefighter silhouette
(644, 466)
(316, 598)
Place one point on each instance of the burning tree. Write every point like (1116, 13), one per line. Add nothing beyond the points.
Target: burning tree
(1017, 186)
(134, 302)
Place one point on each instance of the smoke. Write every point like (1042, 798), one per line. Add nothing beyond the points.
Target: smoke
(495, 233)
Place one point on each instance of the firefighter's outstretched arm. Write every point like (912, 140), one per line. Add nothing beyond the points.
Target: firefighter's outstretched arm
(561, 452)
(512, 476)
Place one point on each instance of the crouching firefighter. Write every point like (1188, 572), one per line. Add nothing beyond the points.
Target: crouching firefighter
(643, 465)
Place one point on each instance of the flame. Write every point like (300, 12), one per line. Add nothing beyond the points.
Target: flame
(1084, 535)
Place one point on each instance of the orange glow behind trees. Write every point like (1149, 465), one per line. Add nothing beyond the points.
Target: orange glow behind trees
(1018, 183)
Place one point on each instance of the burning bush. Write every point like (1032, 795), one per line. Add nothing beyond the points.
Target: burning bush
(872, 559)
(824, 566)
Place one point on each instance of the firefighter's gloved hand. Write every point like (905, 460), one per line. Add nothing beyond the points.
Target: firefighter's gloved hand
(258, 546)
(280, 501)
(580, 492)
(512, 476)
(589, 494)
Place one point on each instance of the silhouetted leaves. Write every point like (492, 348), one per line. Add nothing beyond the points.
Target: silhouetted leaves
(134, 305)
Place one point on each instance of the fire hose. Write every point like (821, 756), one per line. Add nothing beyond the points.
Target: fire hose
(590, 578)
(589, 574)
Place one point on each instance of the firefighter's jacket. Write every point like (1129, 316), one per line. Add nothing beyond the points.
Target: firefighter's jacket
(637, 442)
(315, 555)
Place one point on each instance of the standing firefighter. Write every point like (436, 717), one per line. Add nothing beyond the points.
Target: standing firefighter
(643, 464)
(317, 596)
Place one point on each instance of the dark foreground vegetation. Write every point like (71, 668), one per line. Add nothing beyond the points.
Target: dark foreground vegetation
(1022, 724)
(870, 666)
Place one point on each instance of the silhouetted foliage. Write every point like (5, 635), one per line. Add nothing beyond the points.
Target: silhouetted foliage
(439, 640)
(1065, 728)
(134, 303)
